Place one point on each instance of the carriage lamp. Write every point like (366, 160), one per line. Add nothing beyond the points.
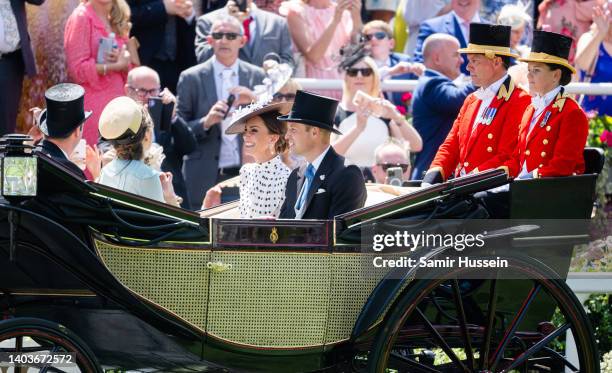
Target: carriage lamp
(19, 167)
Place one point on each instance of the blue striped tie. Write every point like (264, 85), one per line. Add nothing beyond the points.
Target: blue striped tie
(310, 172)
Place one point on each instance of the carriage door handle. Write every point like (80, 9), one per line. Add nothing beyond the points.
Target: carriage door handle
(219, 266)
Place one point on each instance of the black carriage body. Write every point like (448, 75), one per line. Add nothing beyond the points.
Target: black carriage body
(148, 286)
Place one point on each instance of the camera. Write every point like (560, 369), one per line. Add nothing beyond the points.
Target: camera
(394, 176)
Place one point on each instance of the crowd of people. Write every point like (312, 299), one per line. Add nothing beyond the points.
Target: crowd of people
(489, 95)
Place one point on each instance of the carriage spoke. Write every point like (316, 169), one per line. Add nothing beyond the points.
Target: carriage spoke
(486, 343)
(410, 364)
(499, 351)
(537, 347)
(449, 352)
(463, 323)
(562, 358)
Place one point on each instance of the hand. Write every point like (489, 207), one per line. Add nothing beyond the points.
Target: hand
(269, 64)
(167, 188)
(407, 68)
(172, 7)
(602, 19)
(112, 56)
(167, 96)
(213, 197)
(185, 9)
(341, 6)
(234, 11)
(362, 118)
(123, 60)
(244, 96)
(215, 115)
(387, 109)
(355, 7)
(92, 161)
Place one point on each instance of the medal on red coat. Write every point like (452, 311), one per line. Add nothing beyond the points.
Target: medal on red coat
(546, 117)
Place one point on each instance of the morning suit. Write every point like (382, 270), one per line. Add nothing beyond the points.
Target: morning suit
(473, 147)
(58, 155)
(271, 36)
(435, 105)
(445, 24)
(394, 59)
(197, 93)
(555, 145)
(335, 189)
(155, 29)
(13, 65)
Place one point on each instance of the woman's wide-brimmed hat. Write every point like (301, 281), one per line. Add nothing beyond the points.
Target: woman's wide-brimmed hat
(65, 110)
(120, 120)
(313, 110)
(242, 115)
(550, 47)
(490, 40)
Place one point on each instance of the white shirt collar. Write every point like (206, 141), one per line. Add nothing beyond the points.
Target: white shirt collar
(218, 66)
(317, 162)
(490, 91)
(540, 102)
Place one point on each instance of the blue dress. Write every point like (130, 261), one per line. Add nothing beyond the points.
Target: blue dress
(602, 74)
(134, 177)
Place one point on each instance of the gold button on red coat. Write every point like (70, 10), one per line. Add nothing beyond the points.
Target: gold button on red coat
(543, 154)
(490, 136)
(490, 149)
(545, 142)
(527, 152)
(466, 164)
(547, 128)
(540, 166)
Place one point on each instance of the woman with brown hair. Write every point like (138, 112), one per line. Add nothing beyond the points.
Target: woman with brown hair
(262, 183)
(129, 128)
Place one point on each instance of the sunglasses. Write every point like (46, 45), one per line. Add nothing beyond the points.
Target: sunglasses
(285, 97)
(353, 71)
(228, 35)
(379, 35)
(144, 92)
(386, 166)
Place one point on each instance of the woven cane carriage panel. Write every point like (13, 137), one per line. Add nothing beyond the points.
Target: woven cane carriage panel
(174, 279)
(353, 280)
(270, 299)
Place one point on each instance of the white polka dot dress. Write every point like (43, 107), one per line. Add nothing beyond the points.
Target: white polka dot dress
(262, 188)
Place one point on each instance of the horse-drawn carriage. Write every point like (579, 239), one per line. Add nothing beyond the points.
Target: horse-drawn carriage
(124, 283)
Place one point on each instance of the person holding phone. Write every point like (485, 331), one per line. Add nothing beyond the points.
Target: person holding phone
(266, 33)
(203, 93)
(365, 118)
(91, 21)
(177, 139)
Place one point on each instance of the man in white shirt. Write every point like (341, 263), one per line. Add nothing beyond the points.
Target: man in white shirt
(456, 23)
(323, 187)
(203, 94)
(16, 58)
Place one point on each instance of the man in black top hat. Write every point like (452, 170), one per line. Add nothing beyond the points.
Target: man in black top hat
(323, 187)
(61, 123)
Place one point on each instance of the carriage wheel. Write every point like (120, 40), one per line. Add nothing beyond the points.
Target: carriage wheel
(435, 327)
(40, 337)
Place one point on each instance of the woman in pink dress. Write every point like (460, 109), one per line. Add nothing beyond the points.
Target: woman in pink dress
(319, 28)
(88, 23)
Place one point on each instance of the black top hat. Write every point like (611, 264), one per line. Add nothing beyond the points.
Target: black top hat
(314, 110)
(489, 40)
(64, 110)
(550, 47)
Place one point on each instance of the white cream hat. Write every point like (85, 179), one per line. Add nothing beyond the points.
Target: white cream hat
(120, 120)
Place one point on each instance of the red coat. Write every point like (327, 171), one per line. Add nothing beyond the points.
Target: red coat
(556, 143)
(491, 145)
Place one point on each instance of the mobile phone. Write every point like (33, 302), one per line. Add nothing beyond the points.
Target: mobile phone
(160, 113)
(230, 101)
(241, 4)
(394, 176)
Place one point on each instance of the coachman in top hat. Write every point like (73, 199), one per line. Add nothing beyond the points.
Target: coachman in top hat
(554, 128)
(485, 132)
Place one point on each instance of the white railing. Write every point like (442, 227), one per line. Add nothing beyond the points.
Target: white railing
(595, 89)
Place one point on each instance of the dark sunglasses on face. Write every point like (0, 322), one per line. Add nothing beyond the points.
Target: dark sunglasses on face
(353, 71)
(145, 92)
(228, 35)
(386, 166)
(379, 35)
(286, 97)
